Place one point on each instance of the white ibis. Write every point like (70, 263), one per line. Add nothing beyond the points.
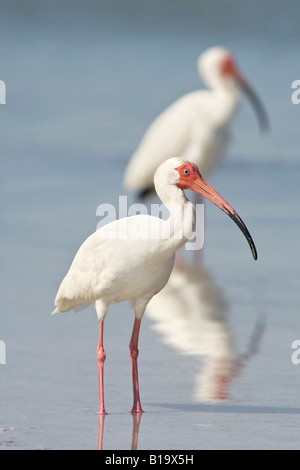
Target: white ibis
(132, 258)
(196, 125)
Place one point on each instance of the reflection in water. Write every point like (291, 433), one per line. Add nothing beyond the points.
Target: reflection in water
(135, 430)
(100, 431)
(191, 314)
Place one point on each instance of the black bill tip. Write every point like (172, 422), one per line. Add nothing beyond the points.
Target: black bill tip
(258, 107)
(236, 218)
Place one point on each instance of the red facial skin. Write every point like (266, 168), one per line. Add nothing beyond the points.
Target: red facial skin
(190, 178)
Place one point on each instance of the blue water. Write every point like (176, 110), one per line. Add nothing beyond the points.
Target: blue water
(83, 81)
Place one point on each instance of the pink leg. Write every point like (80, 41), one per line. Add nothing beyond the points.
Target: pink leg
(134, 352)
(100, 359)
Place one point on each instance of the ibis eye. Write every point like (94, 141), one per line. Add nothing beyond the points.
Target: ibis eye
(186, 171)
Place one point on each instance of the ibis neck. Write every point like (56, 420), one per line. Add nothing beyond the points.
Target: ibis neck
(227, 100)
(180, 224)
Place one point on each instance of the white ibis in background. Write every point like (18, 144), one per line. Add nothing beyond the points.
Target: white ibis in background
(196, 126)
(132, 258)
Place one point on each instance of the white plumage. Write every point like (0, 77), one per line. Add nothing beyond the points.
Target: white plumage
(196, 125)
(132, 258)
(116, 268)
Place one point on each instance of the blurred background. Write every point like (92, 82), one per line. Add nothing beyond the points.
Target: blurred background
(84, 79)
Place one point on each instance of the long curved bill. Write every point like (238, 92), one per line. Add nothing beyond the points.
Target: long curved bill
(199, 185)
(254, 100)
(257, 105)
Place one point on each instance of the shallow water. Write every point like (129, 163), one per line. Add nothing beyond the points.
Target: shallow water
(79, 98)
